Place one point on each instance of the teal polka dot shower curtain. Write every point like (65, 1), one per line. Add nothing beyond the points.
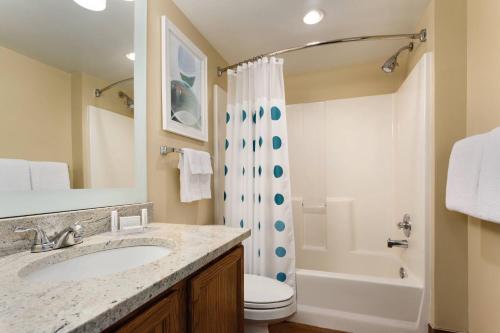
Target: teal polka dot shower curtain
(257, 180)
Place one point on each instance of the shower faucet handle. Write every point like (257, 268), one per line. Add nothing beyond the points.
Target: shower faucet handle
(405, 225)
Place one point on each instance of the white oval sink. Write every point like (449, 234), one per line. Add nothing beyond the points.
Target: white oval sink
(98, 264)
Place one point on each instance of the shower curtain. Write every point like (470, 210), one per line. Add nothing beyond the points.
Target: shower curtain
(257, 180)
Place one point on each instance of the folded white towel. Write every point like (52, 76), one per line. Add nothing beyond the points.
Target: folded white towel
(463, 175)
(199, 161)
(14, 175)
(195, 174)
(49, 176)
(489, 179)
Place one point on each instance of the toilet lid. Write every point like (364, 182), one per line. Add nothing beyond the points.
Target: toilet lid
(261, 291)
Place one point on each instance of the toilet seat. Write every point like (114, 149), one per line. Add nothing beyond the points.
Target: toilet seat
(267, 299)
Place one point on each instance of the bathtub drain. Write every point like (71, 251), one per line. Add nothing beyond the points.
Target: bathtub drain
(402, 273)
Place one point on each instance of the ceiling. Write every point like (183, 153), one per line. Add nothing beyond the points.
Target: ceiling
(63, 34)
(240, 29)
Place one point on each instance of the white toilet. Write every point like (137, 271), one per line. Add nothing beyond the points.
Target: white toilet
(267, 301)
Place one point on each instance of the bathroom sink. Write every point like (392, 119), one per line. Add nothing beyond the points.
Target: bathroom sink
(97, 264)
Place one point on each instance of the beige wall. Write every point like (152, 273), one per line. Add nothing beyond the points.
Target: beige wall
(450, 230)
(483, 114)
(34, 110)
(343, 82)
(446, 24)
(163, 176)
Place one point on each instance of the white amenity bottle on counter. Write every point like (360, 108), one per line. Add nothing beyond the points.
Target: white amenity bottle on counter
(114, 221)
(144, 217)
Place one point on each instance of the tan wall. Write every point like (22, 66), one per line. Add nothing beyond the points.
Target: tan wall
(427, 21)
(450, 230)
(483, 114)
(163, 176)
(34, 103)
(343, 82)
(446, 24)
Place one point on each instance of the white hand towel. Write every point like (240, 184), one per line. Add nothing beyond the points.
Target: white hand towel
(49, 176)
(14, 175)
(489, 179)
(463, 175)
(195, 175)
(199, 161)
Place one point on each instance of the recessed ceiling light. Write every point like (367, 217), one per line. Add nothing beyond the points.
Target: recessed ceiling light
(130, 56)
(313, 16)
(94, 5)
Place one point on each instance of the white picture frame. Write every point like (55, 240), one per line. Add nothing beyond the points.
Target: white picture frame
(184, 84)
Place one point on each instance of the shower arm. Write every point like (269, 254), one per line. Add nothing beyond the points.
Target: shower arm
(98, 92)
(421, 36)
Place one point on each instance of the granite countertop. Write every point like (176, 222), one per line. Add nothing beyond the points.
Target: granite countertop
(94, 304)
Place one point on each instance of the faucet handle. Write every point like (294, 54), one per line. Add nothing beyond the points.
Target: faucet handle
(77, 230)
(41, 242)
(77, 227)
(405, 225)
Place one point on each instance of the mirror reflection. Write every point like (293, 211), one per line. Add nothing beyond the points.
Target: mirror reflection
(66, 86)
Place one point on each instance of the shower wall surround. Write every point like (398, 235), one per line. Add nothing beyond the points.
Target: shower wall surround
(357, 166)
(94, 221)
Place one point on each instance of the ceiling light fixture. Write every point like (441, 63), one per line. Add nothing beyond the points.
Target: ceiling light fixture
(94, 5)
(313, 16)
(130, 56)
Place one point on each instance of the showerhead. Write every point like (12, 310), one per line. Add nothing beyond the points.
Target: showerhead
(390, 65)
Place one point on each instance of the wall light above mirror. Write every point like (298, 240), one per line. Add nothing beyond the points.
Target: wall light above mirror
(62, 146)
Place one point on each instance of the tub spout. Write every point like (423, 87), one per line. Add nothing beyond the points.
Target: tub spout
(397, 243)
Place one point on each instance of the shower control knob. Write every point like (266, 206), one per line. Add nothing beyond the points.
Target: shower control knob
(405, 225)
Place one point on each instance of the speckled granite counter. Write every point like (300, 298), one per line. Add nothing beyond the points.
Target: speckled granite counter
(94, 304)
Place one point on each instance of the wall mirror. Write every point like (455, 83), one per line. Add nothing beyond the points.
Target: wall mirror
(72, 118)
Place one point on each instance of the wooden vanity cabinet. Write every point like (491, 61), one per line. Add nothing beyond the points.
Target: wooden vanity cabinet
(164, 316)
(209, 301)
(215, 302)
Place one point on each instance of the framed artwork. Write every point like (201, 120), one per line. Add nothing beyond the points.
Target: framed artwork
(184, 84)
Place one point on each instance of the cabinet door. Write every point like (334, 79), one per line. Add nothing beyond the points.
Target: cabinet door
(216, 296)
(166, 316)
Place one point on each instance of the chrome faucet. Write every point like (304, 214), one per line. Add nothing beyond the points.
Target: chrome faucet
(397, 243)
(69, 236)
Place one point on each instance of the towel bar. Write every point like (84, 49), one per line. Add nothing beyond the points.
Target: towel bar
(164, 150)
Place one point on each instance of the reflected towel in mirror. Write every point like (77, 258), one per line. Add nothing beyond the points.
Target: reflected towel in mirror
(49, 176)
(14, 175)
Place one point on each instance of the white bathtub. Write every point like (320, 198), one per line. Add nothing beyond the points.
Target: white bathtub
(359, 304)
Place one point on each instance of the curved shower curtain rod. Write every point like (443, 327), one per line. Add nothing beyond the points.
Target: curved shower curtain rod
(421, 36)
(98, 92)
